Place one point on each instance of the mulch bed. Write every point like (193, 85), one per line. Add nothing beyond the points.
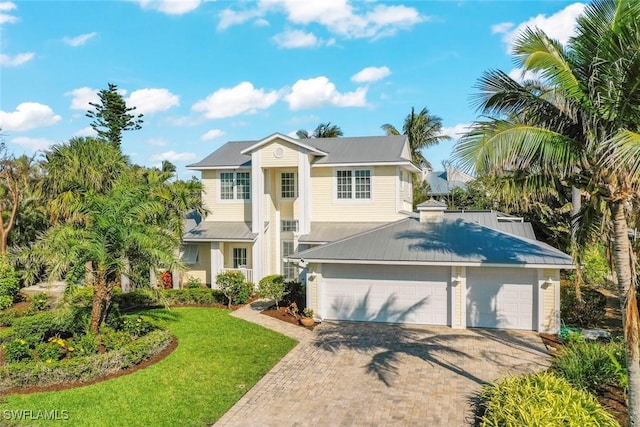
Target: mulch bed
(59, 387)
(283, 314)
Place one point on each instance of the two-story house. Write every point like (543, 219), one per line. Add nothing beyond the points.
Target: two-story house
(339, 211)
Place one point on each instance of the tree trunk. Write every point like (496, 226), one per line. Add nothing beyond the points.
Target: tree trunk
(102, 292)
(576, 204)
(626, 285)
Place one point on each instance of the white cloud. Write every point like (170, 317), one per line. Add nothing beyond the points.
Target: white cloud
(33, 144)
(149, 101)
(158, 142)
(79, 40)
(243, 98)
(82, 96)
(14, 61)
(88, 131)
(28, 115)
(501, 28)
(320, 91)
(170, 7)
(371, 74)
(516, 74)
(338, 16)
(292, 39)
(173, 156)
(456, 131)
(5, 18)
(184, 121)
(560, 26)
(212, 134)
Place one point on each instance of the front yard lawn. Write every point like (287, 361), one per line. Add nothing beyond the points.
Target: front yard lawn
(217, 360)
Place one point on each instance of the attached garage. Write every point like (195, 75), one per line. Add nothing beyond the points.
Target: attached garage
(377, 293)
(501, 298)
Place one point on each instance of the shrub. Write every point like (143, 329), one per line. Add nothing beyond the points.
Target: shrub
(7, 316)
(296, 292)
(167, 280)
(136, 326)
(43, 326)
(596, 268)
(5, 302)
(112, 339)
(140, 298)
(83, 368)
(84, 345)
(202, 296)
(9, 281)
(16, 350)
(233, 285)
(272, 287)
(40, 301)
(50, 351)
(193, 283)
(591, 365)
(585, 314)
(539, 399)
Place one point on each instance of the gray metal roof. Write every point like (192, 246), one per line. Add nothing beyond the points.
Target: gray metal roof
(208, 231)
(439, 184)
(368, 149)
(432, 203)
(365, 149)
(497, 221)
(322, 232)
(448, 242)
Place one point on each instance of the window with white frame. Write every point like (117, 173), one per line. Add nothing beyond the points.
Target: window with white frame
(288, 185)
(289, 225)
(239, 257)
(363, 184)
(289, 270)
(235, 186)
(353, 184)
(344, 184)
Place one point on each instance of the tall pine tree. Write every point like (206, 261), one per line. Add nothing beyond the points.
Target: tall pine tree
(112, 116)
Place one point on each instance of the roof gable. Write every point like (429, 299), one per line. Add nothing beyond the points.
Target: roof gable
(275, 136)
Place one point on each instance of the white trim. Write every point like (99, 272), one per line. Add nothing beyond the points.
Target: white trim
(235, 200)
(219, 240)
(304, 193)
(296, 188)
(353, 199)
(288, 139)
(210, 168)
(427, 263)
(409, 165)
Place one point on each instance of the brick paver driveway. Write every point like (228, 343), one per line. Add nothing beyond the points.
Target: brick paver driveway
(357, 374)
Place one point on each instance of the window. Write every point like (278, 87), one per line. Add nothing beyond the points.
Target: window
(401, 174)
(235, 186)
(354, 184)
(239, 257)
(289, 225)
(288, 270)
(288, 185)
(344, 184)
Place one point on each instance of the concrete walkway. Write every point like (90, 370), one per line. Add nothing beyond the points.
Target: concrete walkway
(357, 374)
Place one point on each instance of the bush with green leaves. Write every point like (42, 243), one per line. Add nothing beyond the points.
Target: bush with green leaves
(9, 282)
(79, 369)
(596, 267)
(136, 326)
(541, 399)
(234, 287)
(40, 301)
(113, 339)
(586, 314)
(16, 350)
(272, 287)
(203, 296)
(589, 366)
(84, 345)
(193, 283)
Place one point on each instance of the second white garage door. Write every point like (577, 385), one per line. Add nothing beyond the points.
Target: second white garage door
(500, 298)
(377, 293)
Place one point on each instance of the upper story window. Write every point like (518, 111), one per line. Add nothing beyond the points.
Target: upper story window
(235, 186)
(289, 225)
(288, 185)
(353, 184)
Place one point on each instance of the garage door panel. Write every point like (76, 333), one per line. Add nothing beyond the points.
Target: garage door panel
(403, 299)
(500, 298)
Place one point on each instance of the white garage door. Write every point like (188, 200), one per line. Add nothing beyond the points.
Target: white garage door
(500, 298)
(376, 293)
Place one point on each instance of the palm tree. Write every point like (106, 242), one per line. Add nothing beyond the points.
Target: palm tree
(581, 127)
(423, 130)
(323, 130)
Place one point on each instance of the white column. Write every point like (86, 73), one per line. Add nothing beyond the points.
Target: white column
(257, 208)
(304, 192)
(458, 303)
(217, 261)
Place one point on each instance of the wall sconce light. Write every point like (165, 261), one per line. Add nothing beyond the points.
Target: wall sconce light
(456, 281)
(548, 282)
(311, 277)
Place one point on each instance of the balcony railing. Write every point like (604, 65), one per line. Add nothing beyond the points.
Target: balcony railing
(248, 273)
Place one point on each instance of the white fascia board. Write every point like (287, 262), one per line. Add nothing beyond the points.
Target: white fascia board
(210, 168)
(433, 263)
(408, 165)
(285, 138)
(204, 240)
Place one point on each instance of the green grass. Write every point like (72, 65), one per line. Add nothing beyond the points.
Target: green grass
(217, 360)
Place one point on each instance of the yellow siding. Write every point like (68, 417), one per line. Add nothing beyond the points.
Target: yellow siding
(289, 155)
(382, 207)
(549, 299)
(227, 210)
(202, 269)
(286, 209)
(458, 297)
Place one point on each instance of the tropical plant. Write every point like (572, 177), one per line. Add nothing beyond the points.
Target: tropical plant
(579, 125)
(323, 130)
(272, 287)
(233, 285)
(112, 116)
(423, 131)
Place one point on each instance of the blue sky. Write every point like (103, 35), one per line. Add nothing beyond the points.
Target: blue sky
(206, 72)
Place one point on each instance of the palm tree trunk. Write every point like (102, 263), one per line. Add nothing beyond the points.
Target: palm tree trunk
(576, 204)
(629, 301)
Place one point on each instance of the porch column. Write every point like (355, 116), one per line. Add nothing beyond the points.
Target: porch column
(304, 192)
(257, 213)
(217, 261)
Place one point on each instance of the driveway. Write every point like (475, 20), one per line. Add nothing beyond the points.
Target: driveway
(357, 374)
